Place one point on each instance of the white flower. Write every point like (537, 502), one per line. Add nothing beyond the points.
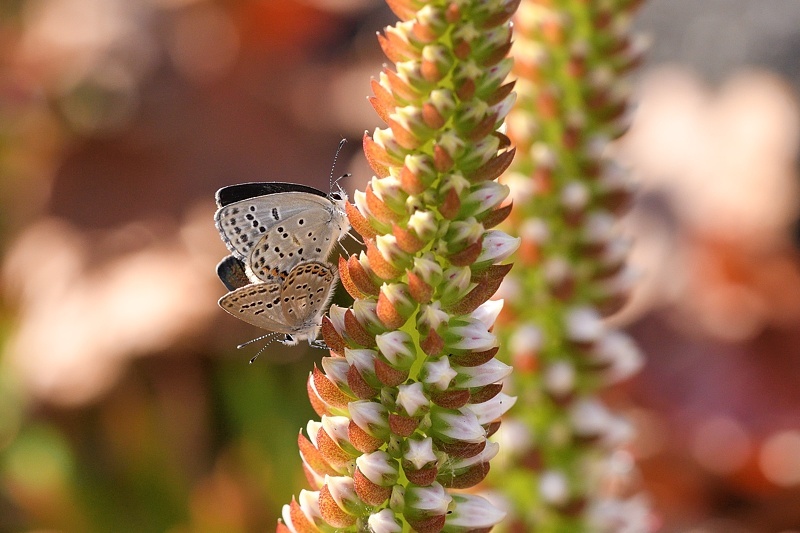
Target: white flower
(411, 398)
(438, 373)
(420, 452)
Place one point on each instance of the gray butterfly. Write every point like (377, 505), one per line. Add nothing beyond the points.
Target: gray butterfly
(272, 227)
(292, 307)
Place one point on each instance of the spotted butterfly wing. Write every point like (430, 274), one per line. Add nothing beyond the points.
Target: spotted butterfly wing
(307, 236)
(283, 225)
(293, 308)
(306, 292)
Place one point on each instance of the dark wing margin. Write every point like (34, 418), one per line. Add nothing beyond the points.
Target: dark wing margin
(243, 191)
(232, 274)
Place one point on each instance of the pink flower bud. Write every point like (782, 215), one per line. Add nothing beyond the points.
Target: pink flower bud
(470, 513)
(398, 348)
(457, 425)
(497, 245)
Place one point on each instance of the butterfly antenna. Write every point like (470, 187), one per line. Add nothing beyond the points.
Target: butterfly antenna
(269, 336)
(336, 183)
(258, 353)
(335, 157)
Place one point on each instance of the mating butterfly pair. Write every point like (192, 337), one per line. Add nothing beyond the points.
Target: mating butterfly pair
(280, 236)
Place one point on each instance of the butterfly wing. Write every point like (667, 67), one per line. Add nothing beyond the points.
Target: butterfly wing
(307, 236)
(306, 292)
(244, 191)
(242, 224)
(231, 272)
(258, 304)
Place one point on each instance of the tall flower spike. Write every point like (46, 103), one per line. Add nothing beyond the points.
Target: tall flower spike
(571, 60)
(410, 393)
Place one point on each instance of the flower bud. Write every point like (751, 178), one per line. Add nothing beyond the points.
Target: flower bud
(493, 77)
(451, 143)
(302, 516)
(584, 325)
(462, 233)
(456, 425)
(472, 513)
(321, 389)
(430, 317)
(483, 197)
(336, 370)
(455, 284)
(559, 378)
(381, 264)
(411, 397)
(398, 348)
(469, 335)
(620, 353)
(497, 245)
(492, 409)
(391, 252)
(395, 305)
(491, 371)
(417, 173)
(590, 418)
(356, 333)
(338, 502)
(378, 467)
(362, 359)
(389, 191)
(436, 62)
(366, 314)
(437, 373)
(384, 521)
(488, 312)
(372, 417)
(444, 100)
(554, 487)
(423, 502)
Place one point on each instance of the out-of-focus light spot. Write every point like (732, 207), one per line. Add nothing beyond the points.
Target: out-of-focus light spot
(66, 38)
(721, 445)
(79, 325)
(38, 460)
(651, 432)
(341, 6)
(105, 101)
(780, 458)
(10, 412)
(205, 42)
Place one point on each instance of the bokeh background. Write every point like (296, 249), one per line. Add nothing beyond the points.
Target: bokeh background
(124, 405)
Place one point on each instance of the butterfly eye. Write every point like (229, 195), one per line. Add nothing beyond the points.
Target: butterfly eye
(336, 196)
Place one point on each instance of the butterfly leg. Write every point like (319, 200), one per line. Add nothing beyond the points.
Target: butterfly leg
(319, 343)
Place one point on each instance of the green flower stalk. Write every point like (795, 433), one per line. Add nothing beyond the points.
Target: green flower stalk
(410, 394)
(571, 60)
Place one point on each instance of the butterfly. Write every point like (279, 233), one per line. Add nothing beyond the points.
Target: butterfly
(292, 306)
(274, 226)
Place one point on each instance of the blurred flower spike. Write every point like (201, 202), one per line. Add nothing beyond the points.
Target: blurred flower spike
(571, 61)
(411, 393)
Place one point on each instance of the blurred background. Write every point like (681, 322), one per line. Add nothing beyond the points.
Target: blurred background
(124, 405)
